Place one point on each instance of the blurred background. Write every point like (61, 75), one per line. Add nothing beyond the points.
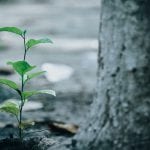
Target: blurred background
(71, 61)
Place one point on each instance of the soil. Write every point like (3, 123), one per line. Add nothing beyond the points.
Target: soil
(16, 144)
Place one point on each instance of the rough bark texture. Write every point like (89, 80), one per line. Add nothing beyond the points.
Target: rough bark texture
(120, 115)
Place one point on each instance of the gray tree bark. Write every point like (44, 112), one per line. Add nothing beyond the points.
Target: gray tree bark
(120, 115)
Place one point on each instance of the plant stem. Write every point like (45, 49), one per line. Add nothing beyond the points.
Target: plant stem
(22, 90)
(25, 49)
(21, 107)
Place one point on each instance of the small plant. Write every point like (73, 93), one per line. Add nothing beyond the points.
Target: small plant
(23, 69)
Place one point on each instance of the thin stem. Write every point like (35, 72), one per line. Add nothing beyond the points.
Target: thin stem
(21, 107)
(22, 90)
(22, 84)
(25, 48)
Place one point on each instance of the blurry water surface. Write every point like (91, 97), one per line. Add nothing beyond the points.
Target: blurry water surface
(73, 25)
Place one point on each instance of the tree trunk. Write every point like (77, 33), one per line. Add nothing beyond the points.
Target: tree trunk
(120, 115)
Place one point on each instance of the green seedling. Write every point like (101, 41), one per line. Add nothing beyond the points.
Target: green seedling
(23, 69)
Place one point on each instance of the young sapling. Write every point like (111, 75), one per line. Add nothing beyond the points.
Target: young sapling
(23, 68)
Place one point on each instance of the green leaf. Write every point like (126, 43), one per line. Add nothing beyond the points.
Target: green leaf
(10, 107)
(21, 67)
(33, 75)
(12, 29)
(9, 83)
(28, 94)
(33, 42)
